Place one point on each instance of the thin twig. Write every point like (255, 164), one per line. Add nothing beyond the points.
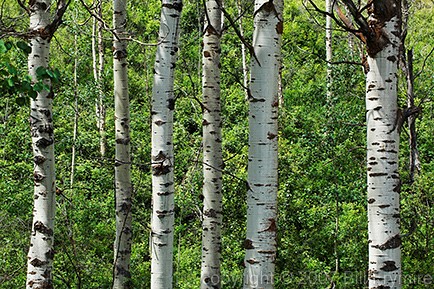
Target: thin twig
(424, 63)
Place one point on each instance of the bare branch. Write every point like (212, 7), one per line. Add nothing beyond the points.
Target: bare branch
(232, 23)
(424, 63)
(140, 42)
(97, 17)
(60, 11)
(22, 5)
(339, 22)
(357, 15)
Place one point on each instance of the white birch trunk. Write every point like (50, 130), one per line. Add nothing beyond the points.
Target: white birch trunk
(260, 243)
(382, 153)
(41, 252)
(329, 50)
(212, 149)
(163, 104)
(123, 186)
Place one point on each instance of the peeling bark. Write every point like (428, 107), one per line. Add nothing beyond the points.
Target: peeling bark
(260, 241)
(163, 104)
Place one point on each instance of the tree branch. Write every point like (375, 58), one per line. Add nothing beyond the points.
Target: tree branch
(24, 6)
(424, 63)
(232, 23)
(96, 16)
(60, 11)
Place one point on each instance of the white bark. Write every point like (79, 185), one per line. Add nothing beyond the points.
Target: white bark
(41, 252)
(260, 243)
(163, 104)
(123, 186)
(212, 149)
(329, 50)
(382, 157)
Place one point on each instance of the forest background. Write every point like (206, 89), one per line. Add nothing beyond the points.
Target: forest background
(322, 224)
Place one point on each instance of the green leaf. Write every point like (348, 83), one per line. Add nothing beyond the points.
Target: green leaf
(8, 45)
(33, 94)
(56, 75)
(26, 86)
(50, 73)
(21, 101)
(24, 47)
(38, 87)
(46, 87)
(3, 47)
(11, 82)
(41, 72)
(12, 70)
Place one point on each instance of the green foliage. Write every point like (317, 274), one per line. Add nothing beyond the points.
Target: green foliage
(322, 215)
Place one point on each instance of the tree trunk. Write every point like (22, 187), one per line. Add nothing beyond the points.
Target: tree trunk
(163, 104)
(329, 50)
(414, 162)
(41, 252)
(98, 75)
(76, 115)
(123, 186)
(383, 147)
(212, 149)
(243, 47)
(260, 243)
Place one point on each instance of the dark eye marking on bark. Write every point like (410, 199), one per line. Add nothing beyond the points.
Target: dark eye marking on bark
(40, 227)
(377, 174)
(392, 243)
(37, 263)
(248, 244)
(389, 266)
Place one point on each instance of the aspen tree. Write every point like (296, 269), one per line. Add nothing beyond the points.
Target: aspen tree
(41, 251)
(260, 243)
(163, 104)
(381, 33)
(383, 146)
(212, 148)
(123, 186)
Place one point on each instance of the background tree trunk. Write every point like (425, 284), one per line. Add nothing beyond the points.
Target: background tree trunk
(98, 66)
(163, 104)
(41, 252)
(212, 149)
(123, 186)
(260, 243)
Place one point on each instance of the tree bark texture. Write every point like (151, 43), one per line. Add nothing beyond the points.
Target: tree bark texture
(383, 147)
(41, 252)
(163, 104)
(212, 149)
(260, 243)
(123, 186)
(414, 162)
